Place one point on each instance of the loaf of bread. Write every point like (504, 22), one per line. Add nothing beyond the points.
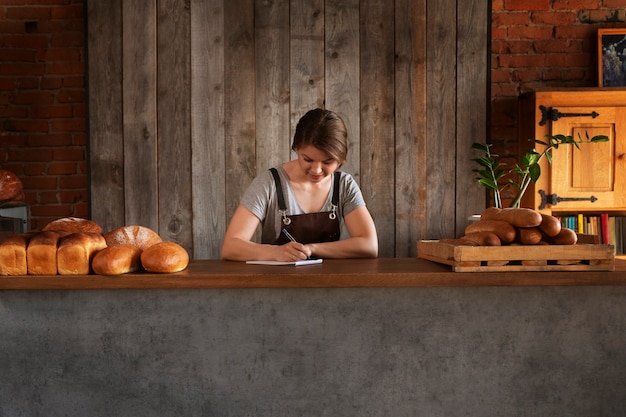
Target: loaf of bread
(518, 217)
(550, 225)
(76, 252)
(41, 253)
(68, 225)
(529, 235)
(504, 230)
(483, 238)
(165, 257)
(566, 236)
(139, 236)
(13, 254)
(117, 260)
(11, 188)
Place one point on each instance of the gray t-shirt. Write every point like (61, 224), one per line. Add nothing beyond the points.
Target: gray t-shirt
(262, 200)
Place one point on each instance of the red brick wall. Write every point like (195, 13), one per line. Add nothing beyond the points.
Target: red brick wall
(547, 43)
(42, 105)
(542, 43)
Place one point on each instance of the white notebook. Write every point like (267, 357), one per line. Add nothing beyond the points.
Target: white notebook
(294, 263)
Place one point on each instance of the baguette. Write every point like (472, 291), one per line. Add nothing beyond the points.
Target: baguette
(117, 260)
(165, 257)
(41, 254)
(483, 238)
(518, 217)
(550, 225)
(504, 230)
(565, 237)
(529, 235)
(76, 252)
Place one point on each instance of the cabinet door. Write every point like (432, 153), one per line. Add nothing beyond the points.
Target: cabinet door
(596, 170)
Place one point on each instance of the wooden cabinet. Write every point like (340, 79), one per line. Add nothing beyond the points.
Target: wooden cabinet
(589, 179)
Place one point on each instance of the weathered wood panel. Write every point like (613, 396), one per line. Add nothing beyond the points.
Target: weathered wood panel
(207, 127)
(441, 132)
(272, 82)
(239, 100)
(342, 42)
(307, 57)
(232, 78)
(106, 138)
(174, 130)
(139, 69)
(472, 95)
(410, 120)
(377, 118)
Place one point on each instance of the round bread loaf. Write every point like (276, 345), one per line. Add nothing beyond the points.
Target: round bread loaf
(117, 260)
(165, 257)
(69, 225)
(11, 188)
(140, 236)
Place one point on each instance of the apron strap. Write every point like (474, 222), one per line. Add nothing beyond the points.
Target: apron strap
(279, 190)
(335, 198)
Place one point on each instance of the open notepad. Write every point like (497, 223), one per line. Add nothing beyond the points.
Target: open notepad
(295, 263)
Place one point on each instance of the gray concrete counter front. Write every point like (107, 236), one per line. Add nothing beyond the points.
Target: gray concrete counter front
(229, 339)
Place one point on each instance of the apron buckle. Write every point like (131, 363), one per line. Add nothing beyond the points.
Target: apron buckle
(286, 220)
(333, 212)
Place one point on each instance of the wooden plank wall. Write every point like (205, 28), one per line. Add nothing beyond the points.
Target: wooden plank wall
(191, 99)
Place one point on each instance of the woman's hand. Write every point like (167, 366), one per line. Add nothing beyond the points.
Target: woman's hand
(292, 251)
(237, 245)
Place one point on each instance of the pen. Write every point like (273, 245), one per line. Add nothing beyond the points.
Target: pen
(293, 239)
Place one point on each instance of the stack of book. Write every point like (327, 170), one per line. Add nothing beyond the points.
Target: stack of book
(611, 229)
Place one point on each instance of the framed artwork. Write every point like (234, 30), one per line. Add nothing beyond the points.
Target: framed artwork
(612, 57)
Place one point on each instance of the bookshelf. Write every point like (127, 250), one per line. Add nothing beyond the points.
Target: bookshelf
(610, 228)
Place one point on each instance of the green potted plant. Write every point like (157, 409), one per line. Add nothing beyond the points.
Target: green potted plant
(495, 175)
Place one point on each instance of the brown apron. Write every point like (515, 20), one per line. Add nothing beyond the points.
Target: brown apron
(310, 227)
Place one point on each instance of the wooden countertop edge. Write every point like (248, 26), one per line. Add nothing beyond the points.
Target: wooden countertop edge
(377, 273)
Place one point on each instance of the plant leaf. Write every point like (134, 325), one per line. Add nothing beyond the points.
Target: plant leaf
(486, 161)
(480, 147)
(534, 172)
(599, 138)
(548, 155)
(488, 184)
(530, 158)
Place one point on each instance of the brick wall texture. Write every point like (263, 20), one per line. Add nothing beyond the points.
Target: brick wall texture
(42, 105)
(535, 43)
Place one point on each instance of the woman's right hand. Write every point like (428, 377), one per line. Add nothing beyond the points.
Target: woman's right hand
(292, 251)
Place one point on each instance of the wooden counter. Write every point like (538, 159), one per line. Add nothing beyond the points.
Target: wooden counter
(382, 272)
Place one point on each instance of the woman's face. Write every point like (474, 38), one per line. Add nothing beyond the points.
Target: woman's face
(315, 163)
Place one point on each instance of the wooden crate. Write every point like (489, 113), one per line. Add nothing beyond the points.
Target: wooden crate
(580, 257)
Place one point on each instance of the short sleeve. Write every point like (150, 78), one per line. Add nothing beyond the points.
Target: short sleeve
(258, 195)
(351, 196)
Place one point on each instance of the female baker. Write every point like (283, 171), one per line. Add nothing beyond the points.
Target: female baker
(307, 198)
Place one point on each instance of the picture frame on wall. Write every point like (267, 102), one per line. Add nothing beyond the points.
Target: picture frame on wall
(612, 57)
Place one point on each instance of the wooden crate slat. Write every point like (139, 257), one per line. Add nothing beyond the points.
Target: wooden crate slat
(581, 257)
